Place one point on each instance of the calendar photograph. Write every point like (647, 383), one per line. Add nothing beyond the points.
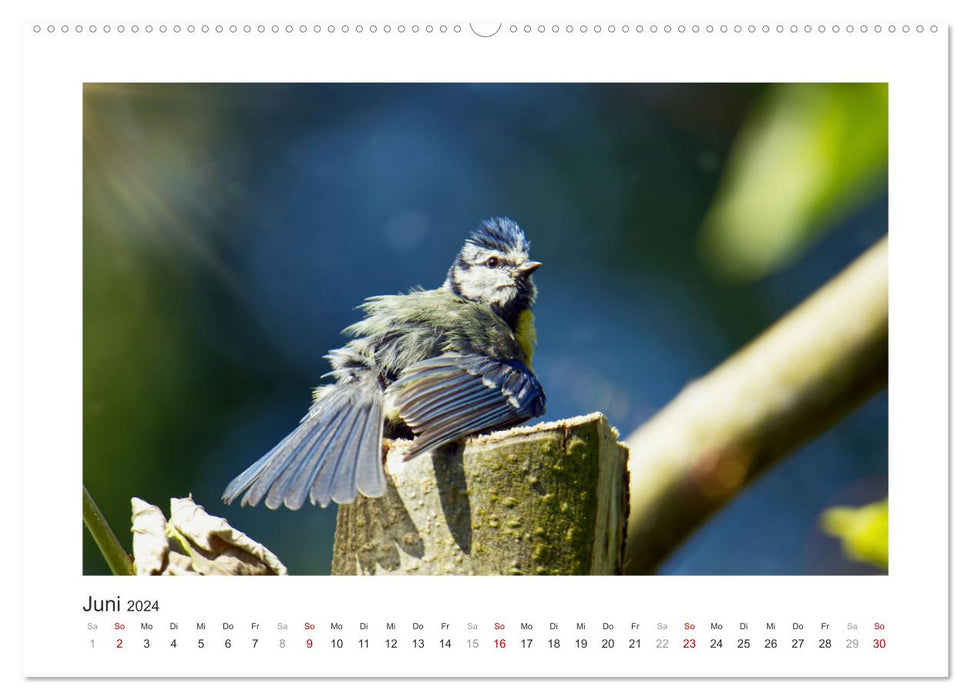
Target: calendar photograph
(485, 329)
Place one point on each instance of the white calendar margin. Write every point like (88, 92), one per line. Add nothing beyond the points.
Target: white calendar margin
(911, 601)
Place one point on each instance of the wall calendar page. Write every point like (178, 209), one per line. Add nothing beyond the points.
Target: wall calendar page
(445, 348)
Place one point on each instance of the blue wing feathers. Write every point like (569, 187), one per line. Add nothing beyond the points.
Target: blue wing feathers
(276, 461)
(433, 396)
(299, 461)
(246, 479)
(333, 453)
(432, 386)
(460, 424)
(447, 404)
(339, 461)
(370, 474)
(442, 410)
(464, 425)
(294, 492)
(345, 478)
(450, 396)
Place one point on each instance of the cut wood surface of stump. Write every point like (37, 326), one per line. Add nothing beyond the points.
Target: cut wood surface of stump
(550, 498)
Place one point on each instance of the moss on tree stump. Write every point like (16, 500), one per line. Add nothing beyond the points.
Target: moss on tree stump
(550, 498)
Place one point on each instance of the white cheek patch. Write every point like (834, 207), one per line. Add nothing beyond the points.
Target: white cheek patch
(484, 284)
(493, 285)
(478, 280)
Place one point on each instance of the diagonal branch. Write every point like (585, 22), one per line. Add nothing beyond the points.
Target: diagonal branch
(789, 385)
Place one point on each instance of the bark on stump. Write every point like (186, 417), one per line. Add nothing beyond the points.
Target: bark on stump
(550, 498)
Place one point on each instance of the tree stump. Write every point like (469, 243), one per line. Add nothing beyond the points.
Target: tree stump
(550, 498)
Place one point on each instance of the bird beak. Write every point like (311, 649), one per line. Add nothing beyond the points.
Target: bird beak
(528, 268)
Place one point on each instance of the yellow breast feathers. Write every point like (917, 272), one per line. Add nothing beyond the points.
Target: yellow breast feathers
(525, 333)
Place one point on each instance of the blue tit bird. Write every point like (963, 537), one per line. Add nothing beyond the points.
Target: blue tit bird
(435, 365)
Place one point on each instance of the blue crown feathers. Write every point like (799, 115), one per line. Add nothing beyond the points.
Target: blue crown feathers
(501, 234)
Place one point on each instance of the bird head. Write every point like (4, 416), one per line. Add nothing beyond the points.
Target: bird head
(493, 267)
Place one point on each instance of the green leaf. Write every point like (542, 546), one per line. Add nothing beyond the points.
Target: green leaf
(808, 156)
(863, 531)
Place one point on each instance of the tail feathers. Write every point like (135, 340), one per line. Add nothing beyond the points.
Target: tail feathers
(334, 453)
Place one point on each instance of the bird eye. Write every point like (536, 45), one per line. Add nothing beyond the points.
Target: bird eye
(492, 262)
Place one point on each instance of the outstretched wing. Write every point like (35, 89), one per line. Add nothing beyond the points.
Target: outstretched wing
(334, 453)
(450, 396)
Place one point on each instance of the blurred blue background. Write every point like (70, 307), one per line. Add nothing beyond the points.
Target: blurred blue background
(230, 231)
